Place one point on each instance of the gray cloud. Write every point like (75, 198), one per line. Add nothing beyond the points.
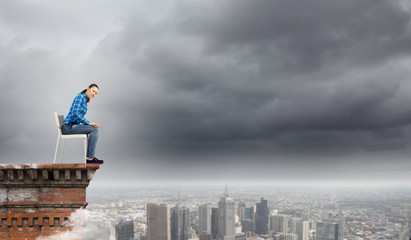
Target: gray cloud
(208, 83)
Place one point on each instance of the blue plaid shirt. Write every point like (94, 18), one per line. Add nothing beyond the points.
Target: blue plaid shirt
(77, 111)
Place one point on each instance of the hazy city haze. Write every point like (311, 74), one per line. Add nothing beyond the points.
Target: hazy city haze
(198, 90)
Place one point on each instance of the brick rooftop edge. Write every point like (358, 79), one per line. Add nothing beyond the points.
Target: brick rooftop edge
(37, 199)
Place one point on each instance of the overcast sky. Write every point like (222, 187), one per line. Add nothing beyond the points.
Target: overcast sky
(213, 90)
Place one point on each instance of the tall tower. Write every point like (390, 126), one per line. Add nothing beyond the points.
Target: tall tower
(158, 222)
(261, 217)
(180, 223)
(204, 218)
(226, 218)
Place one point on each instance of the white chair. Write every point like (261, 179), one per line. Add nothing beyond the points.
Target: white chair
(59, 122)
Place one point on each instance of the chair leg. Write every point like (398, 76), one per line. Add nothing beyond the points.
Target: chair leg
(55, 152)
(62, 151)
(85, 150)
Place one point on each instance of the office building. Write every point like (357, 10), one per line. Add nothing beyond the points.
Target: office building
(180, 223)
(204, 214)
(279, 223)
(292, 225)
(158, 222)
(206, 236)
(247, 225)
(125, 229)
(285, 236)
(261, 217)
(302, 228)
(326, 231)
(290, 236)
(299, 227)
(226, 218)
(241, 210)
(249, 213)
(214, 222)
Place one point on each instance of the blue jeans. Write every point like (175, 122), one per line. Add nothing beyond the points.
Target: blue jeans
(83, 129)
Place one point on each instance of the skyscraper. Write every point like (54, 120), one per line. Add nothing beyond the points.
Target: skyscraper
(301, 229)
(292, 225)
(125, 229)
(214, 222)
(180, 223)
(204, 213)
(327, 231)
(226, 218)
(241, 210)
(158, 222)
(279, 223)
(261, 217)
(249, 213)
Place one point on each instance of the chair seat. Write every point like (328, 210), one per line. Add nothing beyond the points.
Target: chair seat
(59, 122)
(74, 136)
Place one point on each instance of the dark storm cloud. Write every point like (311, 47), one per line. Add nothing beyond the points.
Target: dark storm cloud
(299, 36)
(298, 74)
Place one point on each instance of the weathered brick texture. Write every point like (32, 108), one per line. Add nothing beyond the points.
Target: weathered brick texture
(36, 200)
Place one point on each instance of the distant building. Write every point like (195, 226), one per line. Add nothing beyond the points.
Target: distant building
(278, 236)
(214, 222)
(206, 236)
(125, 229)
(336, 217)
(204, 213)
(279, 223)
(249, 213)
(261, 217)
(180, 223)
(241, 210)
(290, 236)
(285, 236)
(226, 218)
(299, 227)
(158, 222)
(326, 231)
(302, 228)
(292, 225)
(240, 237)
(247, 225)
(341, 226)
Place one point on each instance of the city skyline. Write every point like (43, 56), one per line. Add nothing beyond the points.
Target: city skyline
(232, 91)
(366, 214)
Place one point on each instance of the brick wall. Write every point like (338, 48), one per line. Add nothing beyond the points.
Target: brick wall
(36, 200)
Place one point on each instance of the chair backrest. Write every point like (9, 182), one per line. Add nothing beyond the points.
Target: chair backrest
(59, 120)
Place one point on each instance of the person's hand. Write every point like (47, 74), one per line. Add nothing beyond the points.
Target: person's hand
(94, 125)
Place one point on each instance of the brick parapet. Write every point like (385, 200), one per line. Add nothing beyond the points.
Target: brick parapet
(38, 199)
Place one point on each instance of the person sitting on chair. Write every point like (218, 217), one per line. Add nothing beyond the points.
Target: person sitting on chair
(75, 123)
